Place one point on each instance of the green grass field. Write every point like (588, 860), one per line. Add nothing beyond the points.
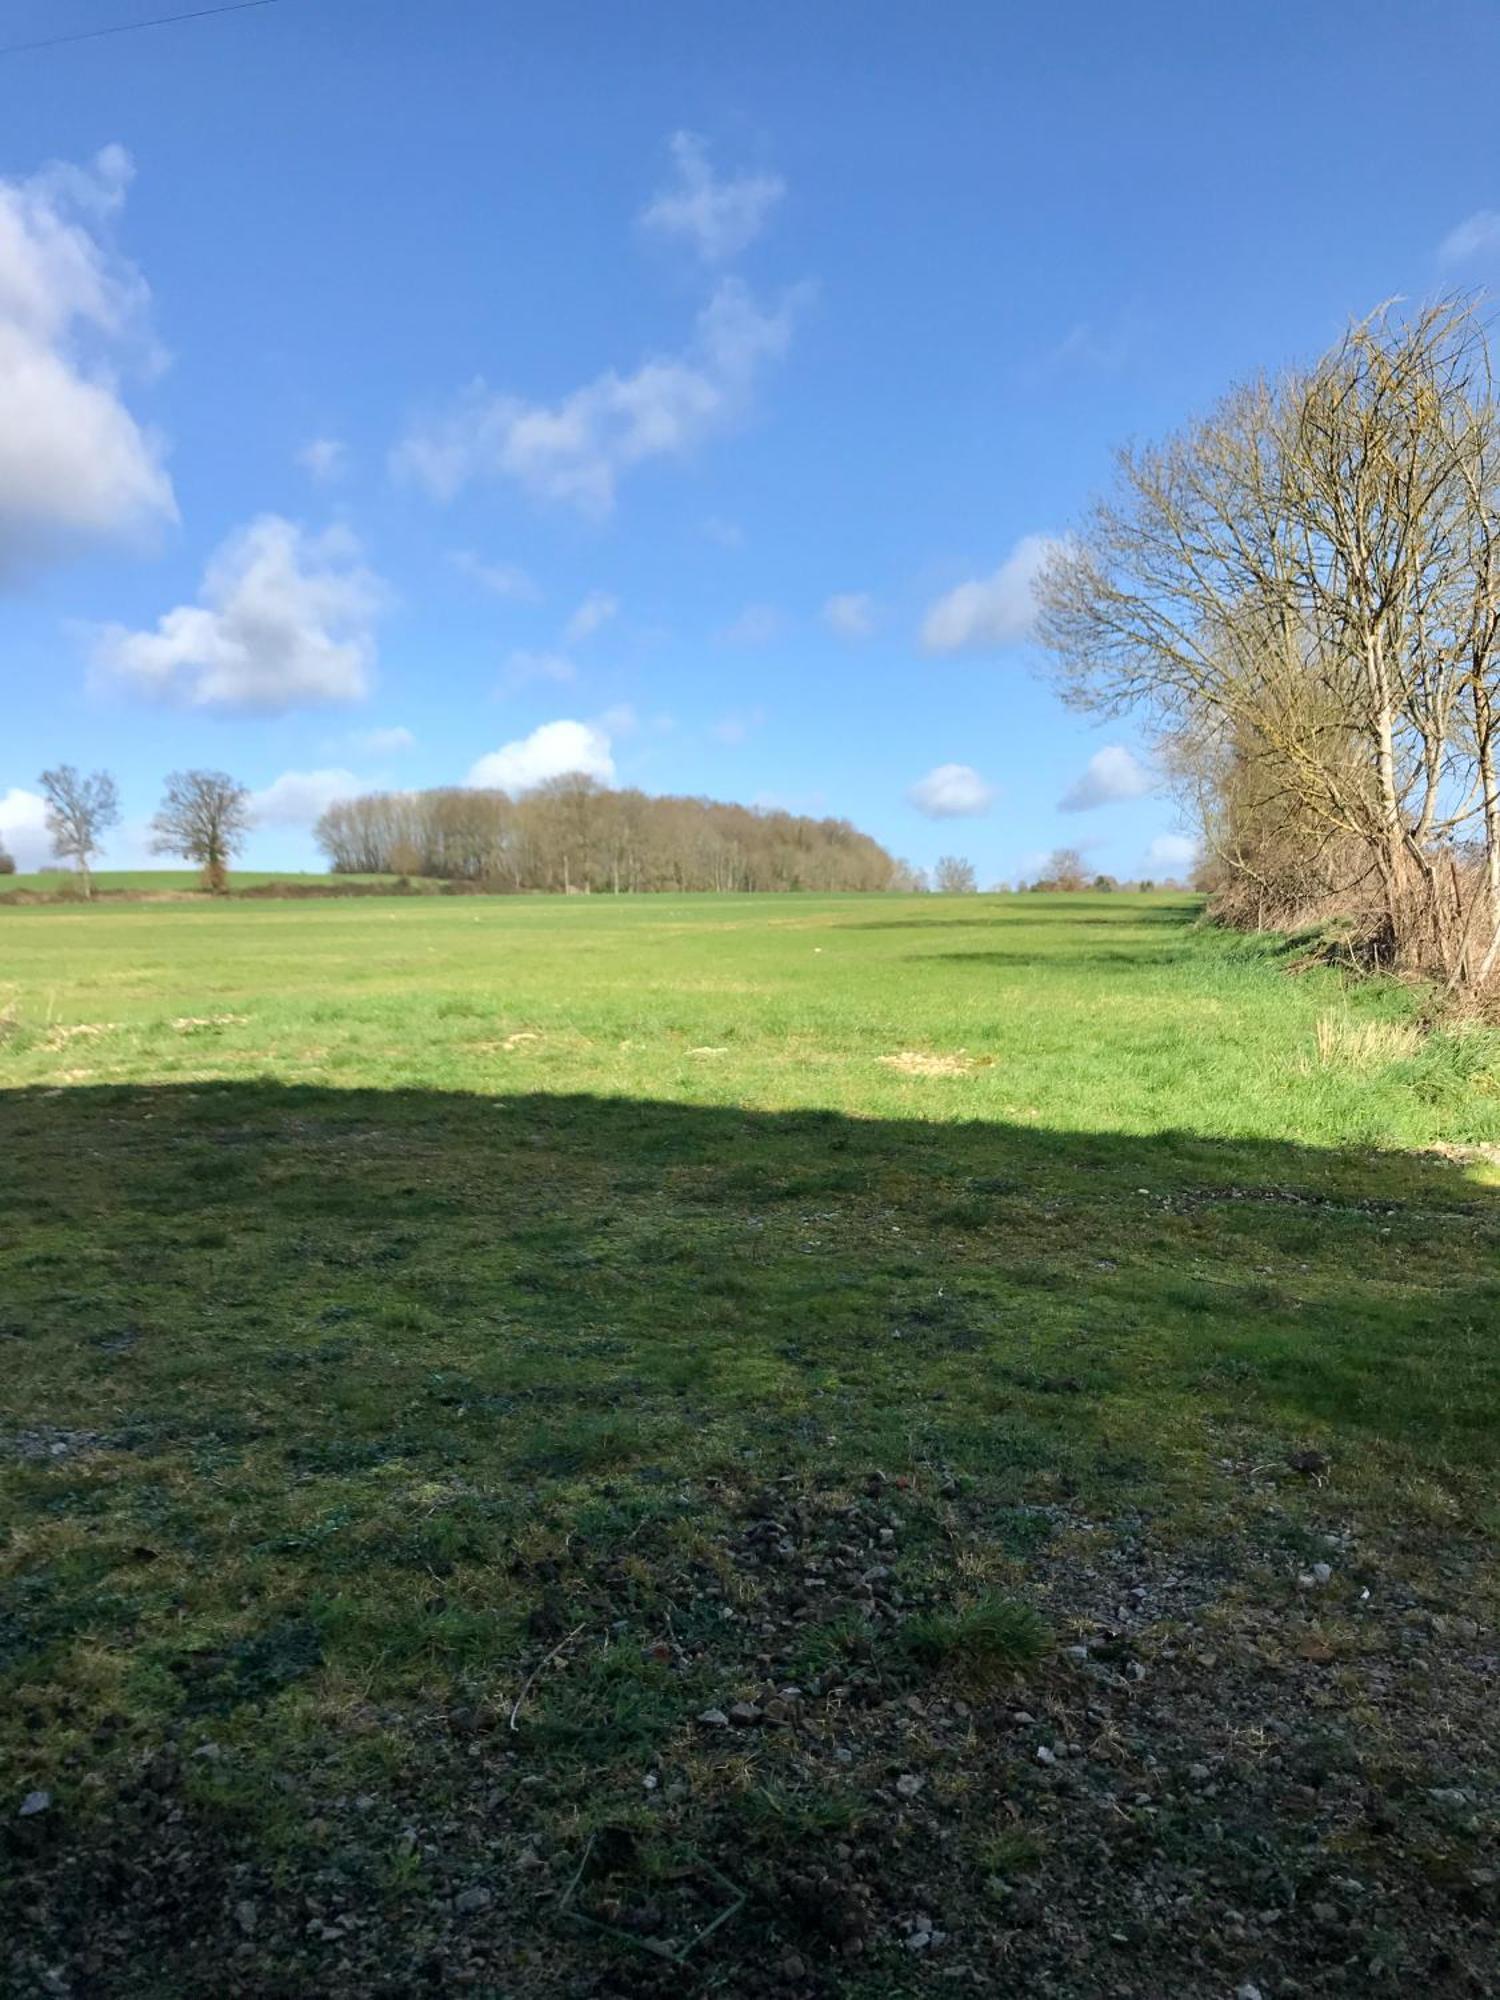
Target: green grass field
(109, 882)
(457, 1350)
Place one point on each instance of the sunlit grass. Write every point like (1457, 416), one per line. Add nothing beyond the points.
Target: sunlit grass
(1090, 1013)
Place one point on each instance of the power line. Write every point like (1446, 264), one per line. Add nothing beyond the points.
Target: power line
(129, 27)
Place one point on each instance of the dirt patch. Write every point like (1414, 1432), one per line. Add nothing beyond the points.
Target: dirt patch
(924, 1062)
(44, 1445)
(1245, 1764)
(1467, 1156)
(78, 1031)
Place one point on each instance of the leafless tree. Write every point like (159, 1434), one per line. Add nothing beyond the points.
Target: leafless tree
(1304, 587)
(80, 811)
(204, 817)
(573, 834)
(954, 876)
(1063, 870)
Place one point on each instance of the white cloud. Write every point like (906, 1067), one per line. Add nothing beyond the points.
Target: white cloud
(324, 459)
(1475, 236)
(1110, 774)
(757, 625)
(504, 579)
(283, 619)
(993, 611)
(575, 451)
(596, 609)
(383, 742)
(297, 798)
(74, 463)
(553, 751)
(726, 534)
(952, 791)
(523, 667)
(23, 828)
(719, 218)
(1172, 850)
(850, 614)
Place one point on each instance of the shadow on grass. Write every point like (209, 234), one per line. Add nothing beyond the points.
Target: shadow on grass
(394, 1476)
(187, 1254)
(1014, 914)
(1147, 956)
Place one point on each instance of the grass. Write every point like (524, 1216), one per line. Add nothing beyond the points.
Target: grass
(987, 1639)
(427, 1324)
(1082, 1014)
(177, 881)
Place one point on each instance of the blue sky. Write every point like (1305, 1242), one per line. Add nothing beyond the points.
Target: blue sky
(408, 394)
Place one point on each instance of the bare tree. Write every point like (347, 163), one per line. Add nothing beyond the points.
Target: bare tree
(954, 876)
(204, 817)
(80, 811)
(574, 834)
(1305, 588)
(1062, 870)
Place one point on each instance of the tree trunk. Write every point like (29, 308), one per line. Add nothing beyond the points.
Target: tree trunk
(1484, 730)
(1393, 849)
(1484, 737)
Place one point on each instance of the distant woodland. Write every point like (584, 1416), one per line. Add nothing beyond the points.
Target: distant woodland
(575, 834)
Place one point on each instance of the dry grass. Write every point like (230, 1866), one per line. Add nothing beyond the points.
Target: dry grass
(1348, 1044)
(919, 1062)
(87, 1031)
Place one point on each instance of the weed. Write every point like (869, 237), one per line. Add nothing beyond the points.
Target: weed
(1015, 1851)
(982, 1641)
(1365, 1044)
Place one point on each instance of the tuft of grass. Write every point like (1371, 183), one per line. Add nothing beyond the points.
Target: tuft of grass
(984, 1640)
(1015, 1850)
(1343, 1042)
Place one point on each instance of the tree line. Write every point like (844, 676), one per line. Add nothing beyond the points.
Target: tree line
(204, 817)
(1064, 872)
(569, 834)
(1300, 592)
(573, 833)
